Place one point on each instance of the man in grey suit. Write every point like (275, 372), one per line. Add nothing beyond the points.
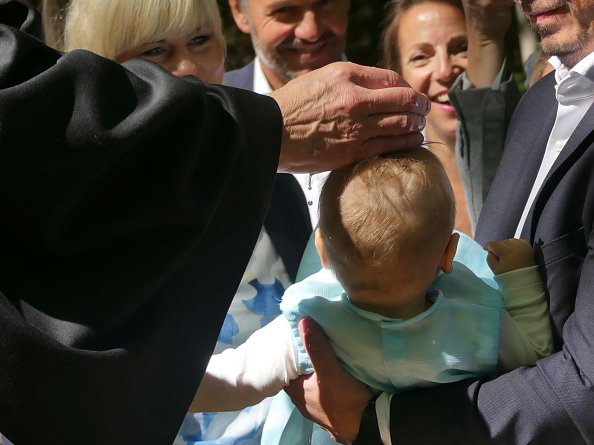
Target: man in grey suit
(290, 38)
(544, 192)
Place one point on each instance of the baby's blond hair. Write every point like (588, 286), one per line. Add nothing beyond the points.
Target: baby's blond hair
(392, 211)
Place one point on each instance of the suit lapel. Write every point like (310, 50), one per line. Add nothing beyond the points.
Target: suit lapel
(526, 142)
(241, 78)
(579, 140)
(530, 151)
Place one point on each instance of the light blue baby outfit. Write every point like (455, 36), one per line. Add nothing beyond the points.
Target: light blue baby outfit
(455, 339)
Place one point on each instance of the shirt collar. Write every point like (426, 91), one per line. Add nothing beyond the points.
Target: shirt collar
(585, 68)
(576, 83)
(261, 84)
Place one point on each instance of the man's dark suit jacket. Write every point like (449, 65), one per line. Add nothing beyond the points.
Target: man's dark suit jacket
(130, 203)
(552, 402)
(287, 220)
(242, 77)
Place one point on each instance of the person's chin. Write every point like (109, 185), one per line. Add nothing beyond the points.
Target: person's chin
(305, 61)
(558, 43)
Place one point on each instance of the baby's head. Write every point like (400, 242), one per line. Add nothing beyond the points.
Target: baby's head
(386, 227)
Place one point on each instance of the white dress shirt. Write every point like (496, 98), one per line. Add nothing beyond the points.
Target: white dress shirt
(575, 95)
(310, 184)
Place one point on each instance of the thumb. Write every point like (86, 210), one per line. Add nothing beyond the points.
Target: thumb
(496, 248)
(318, 348)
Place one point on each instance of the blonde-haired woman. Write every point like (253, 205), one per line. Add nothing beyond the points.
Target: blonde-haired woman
(183, 36)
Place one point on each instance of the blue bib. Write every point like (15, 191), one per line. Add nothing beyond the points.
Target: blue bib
(456, 338)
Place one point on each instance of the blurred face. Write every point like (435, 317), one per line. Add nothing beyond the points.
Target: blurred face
(566, 27)
(432, 43)
(199, 54)
(293, 37)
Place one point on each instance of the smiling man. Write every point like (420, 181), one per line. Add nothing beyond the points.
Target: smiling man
(566, 27)
(290, 38)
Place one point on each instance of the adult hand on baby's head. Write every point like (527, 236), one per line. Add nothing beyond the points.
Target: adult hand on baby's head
(344, 112)
(330, 396)
(510, 254)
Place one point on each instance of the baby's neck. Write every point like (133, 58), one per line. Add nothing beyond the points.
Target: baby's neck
(395, 306)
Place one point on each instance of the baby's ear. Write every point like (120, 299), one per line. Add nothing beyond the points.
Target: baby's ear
(447, 258)
(321, 248)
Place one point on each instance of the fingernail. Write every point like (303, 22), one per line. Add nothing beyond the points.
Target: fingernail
(421, 124)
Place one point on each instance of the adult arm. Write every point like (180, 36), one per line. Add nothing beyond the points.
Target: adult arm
(330, 396)
(484, 98)
(487, 22)
(131, 201)
(246, 375)
(120, 249)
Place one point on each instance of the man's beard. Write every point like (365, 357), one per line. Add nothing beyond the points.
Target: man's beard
(570, 53)
(275, 64)
(278, 65)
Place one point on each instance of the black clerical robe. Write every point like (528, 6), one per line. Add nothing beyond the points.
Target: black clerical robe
(130, 202)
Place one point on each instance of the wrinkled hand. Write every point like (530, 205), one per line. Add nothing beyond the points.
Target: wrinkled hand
(330, 396)
(510, 254)
(344, 112)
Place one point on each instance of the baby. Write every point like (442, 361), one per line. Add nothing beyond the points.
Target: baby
(400, 307)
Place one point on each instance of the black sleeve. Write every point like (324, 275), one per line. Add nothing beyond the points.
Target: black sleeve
(130, 202)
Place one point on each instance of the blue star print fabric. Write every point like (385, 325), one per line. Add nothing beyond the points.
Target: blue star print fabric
(256, 303)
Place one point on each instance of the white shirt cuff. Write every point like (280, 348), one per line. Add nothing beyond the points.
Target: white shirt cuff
(382, 410)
